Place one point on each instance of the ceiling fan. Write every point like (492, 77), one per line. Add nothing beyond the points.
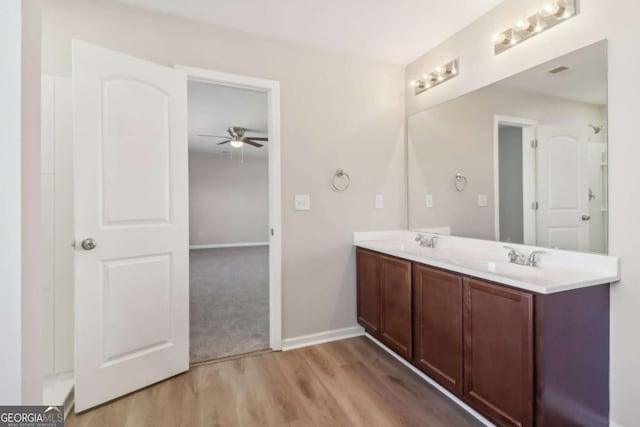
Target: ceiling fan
(237, 139)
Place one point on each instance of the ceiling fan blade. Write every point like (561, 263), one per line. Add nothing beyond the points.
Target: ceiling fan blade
(257, 138)
(224, 142)
(250, 142)
(213, 136)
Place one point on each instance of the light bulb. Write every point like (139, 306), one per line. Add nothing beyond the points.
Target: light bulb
(550, 9)
(523, 25)
(501, 38)
(440, 78)
(413, 83)
(439, 69)
(236, 143)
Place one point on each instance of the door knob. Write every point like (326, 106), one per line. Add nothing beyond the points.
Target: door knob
(88, 244)
(586, 217)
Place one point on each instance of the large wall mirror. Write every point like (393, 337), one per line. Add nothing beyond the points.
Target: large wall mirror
(523, 160)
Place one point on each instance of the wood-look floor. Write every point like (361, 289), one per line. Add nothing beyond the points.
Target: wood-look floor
(344, 383)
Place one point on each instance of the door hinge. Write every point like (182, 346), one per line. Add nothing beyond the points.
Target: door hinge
(272, 232)
(534, 143)
(534, 206)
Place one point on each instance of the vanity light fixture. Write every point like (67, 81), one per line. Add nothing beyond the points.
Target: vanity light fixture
(440, 75)
(550, 15)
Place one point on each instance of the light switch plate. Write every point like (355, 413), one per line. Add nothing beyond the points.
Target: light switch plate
(483, 200)
(379, 201)
(302, 202)
(428, 199)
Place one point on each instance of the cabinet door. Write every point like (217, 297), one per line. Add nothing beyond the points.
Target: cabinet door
(368, 288)
(498, 352)
(395, 304)
(437, 328)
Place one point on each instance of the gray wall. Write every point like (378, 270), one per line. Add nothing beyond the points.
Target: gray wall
(338, 111)
(228, 200)
(510, 184)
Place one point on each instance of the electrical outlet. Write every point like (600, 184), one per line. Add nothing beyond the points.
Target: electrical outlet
(428, 199)
(302, 202)
(379, 201)
(483, 200)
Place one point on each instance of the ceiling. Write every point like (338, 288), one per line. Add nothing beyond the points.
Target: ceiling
(214, 108)
(396, 32)
(585, 81)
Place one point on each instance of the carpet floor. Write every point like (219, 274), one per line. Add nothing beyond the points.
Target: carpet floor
(229, 302)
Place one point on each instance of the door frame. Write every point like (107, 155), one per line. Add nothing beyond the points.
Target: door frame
(272, 89)
(529, 221)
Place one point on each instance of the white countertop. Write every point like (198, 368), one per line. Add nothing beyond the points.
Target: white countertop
(557, 270)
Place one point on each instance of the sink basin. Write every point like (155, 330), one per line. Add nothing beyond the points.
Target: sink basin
(503, 268)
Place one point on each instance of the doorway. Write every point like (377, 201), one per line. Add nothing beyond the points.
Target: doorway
(515, 179)
(271, 89)
(228, 221)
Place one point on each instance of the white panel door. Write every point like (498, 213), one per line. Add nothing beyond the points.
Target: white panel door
(562, 191)
(130, 196)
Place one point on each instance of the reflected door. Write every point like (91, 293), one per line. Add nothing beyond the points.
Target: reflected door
(130, 179)
(563, 193)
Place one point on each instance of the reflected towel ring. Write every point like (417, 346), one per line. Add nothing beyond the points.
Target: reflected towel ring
(460, 182)
(341, 180)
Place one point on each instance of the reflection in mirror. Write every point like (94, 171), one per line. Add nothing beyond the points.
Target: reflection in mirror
(533, 151)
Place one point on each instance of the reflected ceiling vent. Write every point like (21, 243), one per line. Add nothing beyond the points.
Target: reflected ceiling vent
(557, 70)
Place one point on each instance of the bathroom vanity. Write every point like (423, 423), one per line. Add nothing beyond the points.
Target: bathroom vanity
(521, 345)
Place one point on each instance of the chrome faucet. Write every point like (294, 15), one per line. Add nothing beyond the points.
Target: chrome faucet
(519, 258)
(426, 242)
(533, 258)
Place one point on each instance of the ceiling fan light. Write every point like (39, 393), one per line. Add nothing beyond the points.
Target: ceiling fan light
(236, 144)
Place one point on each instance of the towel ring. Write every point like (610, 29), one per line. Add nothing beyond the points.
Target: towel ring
(341, 180)
(460, 182)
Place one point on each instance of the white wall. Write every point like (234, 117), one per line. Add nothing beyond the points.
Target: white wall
(437, 134)
(10, 308)
(598, 19)
(228, 200)
(338, 111)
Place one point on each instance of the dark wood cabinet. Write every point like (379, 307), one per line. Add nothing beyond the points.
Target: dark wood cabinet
(437, 330)
(519, 358)
(384, 299)
(498, 352)
(395, 304)
(368, 289)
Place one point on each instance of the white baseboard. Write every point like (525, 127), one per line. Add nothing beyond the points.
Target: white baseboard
(441, 389)
(321, 337)
(614, 424)
(228, 245)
